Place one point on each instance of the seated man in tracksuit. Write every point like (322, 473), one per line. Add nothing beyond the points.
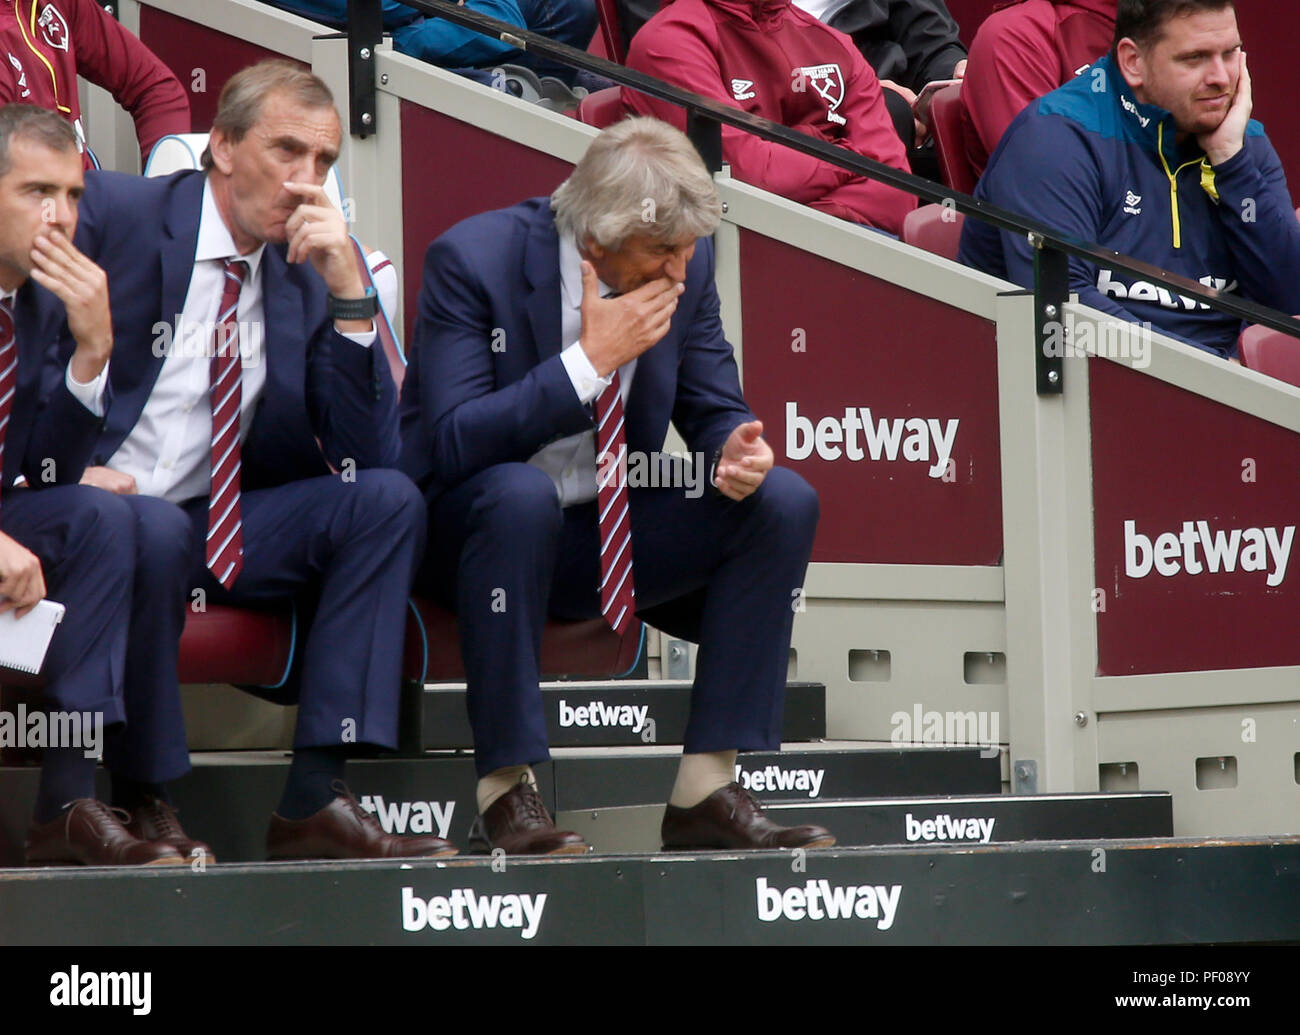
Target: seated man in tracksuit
(769, 58)
(1152, 153)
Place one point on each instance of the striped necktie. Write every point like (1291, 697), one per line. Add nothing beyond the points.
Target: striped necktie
(8, 370)
(617, 595)
(225, 543)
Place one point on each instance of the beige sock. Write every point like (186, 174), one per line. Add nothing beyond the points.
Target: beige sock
(496, 783)
(700, 775)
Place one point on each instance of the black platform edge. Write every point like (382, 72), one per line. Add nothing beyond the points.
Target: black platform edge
(614, 714)
(1112, 892)
(986, 819)
(614, 779)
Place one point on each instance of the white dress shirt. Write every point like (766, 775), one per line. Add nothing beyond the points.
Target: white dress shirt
(169, 451)
(571, 462)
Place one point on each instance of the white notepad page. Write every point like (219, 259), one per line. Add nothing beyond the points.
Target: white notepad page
(24, 641)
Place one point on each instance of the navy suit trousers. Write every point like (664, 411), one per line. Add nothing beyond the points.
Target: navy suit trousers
(84, 538)
(351, 546)
(724, 574)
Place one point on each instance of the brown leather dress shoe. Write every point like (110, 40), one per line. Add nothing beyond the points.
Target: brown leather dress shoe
(518, 823)
(731, 817)
(89, 833)
(344, 830)
(156, 821)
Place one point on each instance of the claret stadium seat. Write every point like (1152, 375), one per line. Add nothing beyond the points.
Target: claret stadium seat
(950, 140)
(1270, 352)
(936, 228)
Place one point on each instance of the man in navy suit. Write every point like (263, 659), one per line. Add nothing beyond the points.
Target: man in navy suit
(249, 373)
(57, 538)
(529, 399)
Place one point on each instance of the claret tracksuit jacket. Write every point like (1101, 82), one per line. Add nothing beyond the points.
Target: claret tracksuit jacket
(769, 58)
(1023, 50)
(1090, 161)
(48, 44)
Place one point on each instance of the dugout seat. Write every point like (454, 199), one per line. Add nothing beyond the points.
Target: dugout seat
(1270, 352)
(602, 108)
(950, 140)
(935, 228)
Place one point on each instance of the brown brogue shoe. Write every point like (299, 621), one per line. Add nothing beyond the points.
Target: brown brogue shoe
(345, 830)
(518, 823)
(731, 818)
(156, 821)
(89, 833)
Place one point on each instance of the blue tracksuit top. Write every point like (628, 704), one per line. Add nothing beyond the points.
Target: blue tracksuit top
(1092, 162)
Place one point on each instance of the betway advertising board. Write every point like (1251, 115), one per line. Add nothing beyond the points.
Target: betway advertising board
(885, 400)
(1195, 512)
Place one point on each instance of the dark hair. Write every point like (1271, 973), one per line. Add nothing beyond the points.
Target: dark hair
(1143, 21)
(240, 104)
(28, 122)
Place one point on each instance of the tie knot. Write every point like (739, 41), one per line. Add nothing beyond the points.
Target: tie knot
(237, 268)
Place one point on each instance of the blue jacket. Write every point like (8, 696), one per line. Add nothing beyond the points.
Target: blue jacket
(50, 435)
(467, 406)
(1091, 161)
(435, 40)
(326, 398)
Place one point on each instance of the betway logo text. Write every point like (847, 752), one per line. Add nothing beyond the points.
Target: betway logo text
(1250, 549)
(1145, 291)
(944, 828)
(820, 900)
(774, 778)
(914, 439)
(464, 909)
(598, 714)
(414, 817)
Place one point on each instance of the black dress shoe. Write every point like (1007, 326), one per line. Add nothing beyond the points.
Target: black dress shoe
(89, 833)
(344, 830)
(156, 821)
(518, 823)
(731, 818)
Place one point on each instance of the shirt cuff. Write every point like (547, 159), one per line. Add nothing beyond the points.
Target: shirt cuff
(363, 338)
(586, 382)
(91, 394)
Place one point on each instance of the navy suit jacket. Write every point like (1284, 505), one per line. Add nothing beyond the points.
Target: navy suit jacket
(486, 385)
(326, 398)
(50, 435)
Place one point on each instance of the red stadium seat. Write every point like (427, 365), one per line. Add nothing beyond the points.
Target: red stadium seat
(602, 108)
(936, 228)
(610, 32)
(950, 140)
(1271, 352)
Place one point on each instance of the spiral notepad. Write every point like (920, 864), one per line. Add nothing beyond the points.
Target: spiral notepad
(24, 641)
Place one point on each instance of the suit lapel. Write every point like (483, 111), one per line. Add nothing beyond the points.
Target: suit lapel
(542, 271)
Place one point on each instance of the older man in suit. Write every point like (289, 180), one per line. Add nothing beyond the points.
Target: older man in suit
(57, 538)
(540, 327)
(248, 374)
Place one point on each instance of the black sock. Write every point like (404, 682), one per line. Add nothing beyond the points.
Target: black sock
(66, 774)
(312, 776)
(131, 794)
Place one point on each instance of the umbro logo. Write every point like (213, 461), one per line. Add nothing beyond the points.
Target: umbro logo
(1133, 204)
(742, 89)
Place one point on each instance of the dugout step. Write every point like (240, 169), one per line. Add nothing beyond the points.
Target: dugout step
(613, 713)
(228, 798)
(956, 820)
(1179, 891)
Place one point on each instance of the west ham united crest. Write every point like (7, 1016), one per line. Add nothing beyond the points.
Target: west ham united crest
(828, 81)
(54, 27)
